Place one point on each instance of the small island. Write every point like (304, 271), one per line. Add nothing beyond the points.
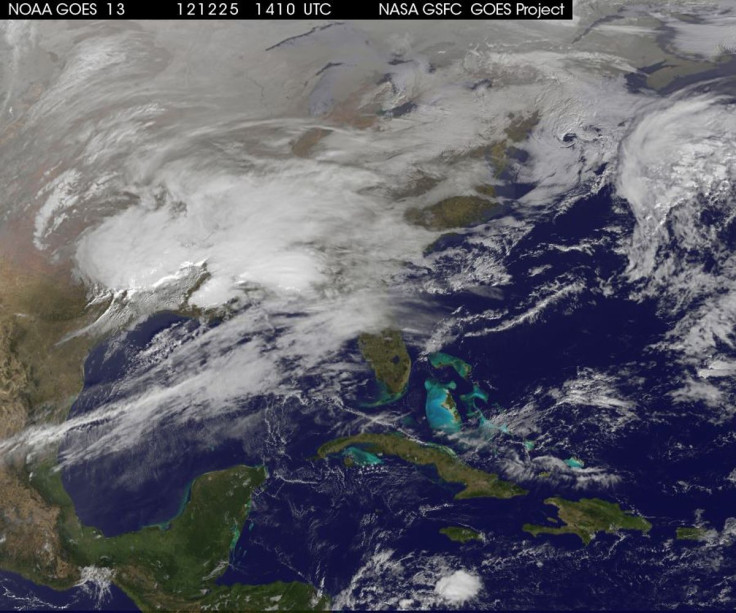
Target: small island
(693, 533)
(440, 406)
(588, 516)
(478, 483)
(444, 360)
(460, 534)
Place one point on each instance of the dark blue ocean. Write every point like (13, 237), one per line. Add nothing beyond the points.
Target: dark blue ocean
(320, 522)
(19, 594)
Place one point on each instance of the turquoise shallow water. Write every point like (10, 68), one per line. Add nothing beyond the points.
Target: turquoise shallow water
(469, 399)
(321, 516)
(440, 407)
(444, 360)
(362, 457)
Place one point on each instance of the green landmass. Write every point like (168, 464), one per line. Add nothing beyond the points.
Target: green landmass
(444, 360)
(387, 355)
(175, 567)
(521, 126)
(486, 190)
(172, 566)
(440, 406)
(692, 533)
(478, 483)
(440, 240)
(40, 375)
(587, 517)
(453, 212)
(280, 596)
(468, 210)
(518, 130)
(460, 534)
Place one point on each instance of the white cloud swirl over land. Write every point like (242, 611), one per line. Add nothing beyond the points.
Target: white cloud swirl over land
(158, 159)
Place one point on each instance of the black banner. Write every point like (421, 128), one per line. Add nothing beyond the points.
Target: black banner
(304, 9)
